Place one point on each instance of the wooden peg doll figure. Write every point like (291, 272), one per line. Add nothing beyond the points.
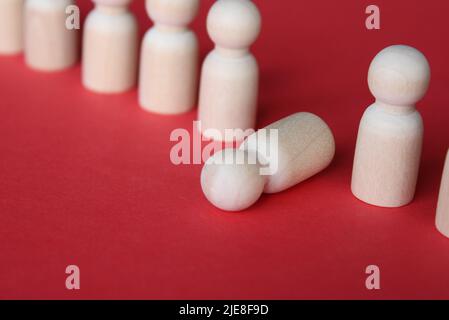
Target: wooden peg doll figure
(230, 76)
(168, 80)
(442, 221)
(49, 44)
(110, 48)
(11, 27)
(293, 149)
(388, 151)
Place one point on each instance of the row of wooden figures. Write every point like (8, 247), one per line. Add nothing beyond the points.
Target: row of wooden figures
(169, 60)
(389, 143)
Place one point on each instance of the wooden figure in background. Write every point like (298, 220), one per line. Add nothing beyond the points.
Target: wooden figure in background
(442, 221)
(169, 59)
(110, 47)
(49, 44)
(388, 151)
(304, 146)
(11, 27)
(230, 74)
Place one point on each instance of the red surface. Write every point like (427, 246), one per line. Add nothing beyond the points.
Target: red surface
(87, 180)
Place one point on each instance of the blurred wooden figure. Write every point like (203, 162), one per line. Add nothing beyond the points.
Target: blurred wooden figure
(11, 27)
(389, 143)
(110, 47)
(442, 221)
(49, 44)
(230, 74)
(169, 59)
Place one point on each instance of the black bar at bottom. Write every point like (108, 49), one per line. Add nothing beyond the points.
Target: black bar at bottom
(179, 310)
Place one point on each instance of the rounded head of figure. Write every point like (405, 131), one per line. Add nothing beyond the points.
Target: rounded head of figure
(176, 13)
(113, 3)
(399, 75)
(230, 182)
(234, 24)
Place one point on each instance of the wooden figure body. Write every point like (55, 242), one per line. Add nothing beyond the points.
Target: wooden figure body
(168, 80)
(110, 48)
(11, 27)
(442, 220)
(389, 143)
(230, 75)
(304, 147)
(49, 44)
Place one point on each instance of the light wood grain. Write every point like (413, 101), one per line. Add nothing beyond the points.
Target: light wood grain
(230, 74)
(169, 58)
(11, 27)
(49, 45)
(110, 48)
(389, 143)
(306, 146)
(442, 220)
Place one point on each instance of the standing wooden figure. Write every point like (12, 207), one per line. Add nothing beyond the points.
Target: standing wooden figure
(230, 75)
(389, 143)
(49, 44)
(443, 202)
(11, 27)
(169, 59)
(110, 46)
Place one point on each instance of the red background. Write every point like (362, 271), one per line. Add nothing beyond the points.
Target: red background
(86, 179)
